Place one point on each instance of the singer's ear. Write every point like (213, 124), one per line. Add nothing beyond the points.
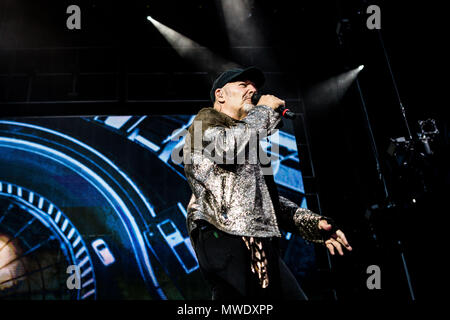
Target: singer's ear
(219, 95)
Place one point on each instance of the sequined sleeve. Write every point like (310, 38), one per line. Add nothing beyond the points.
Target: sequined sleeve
(300, 220)
(225, 144)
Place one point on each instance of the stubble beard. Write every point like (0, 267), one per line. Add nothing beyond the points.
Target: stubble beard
(248, 107)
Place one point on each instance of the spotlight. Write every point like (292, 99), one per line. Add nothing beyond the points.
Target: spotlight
(331, 91)
(191, 50)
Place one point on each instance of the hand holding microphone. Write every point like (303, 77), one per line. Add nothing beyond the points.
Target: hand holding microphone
(273, 102)
(270, 101)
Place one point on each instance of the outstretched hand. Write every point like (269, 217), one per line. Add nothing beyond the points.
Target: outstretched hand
(336, 241)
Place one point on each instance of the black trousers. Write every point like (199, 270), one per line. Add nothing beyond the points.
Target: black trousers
(225, 263)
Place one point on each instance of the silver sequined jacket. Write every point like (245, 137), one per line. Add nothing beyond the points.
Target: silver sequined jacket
(235, 197)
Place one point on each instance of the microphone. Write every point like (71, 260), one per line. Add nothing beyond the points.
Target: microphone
(285, 112)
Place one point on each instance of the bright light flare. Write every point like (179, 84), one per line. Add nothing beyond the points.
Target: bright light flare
(332, 90)
(10, 266)
(191, 50)
(241, 30)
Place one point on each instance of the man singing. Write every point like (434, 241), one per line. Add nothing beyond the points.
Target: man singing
(235, 213)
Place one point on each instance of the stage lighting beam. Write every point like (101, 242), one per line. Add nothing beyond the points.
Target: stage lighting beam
(192, 51)
(331, 91)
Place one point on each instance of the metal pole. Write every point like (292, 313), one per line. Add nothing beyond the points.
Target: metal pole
(372, 140)
(408, 279)
(402, 109)
(381, 177)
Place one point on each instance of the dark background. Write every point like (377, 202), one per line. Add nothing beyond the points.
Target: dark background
(118, 63)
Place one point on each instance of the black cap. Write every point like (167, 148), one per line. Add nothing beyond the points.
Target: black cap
(252, 73)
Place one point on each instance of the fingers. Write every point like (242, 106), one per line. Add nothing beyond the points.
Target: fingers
(343, 240)
(338, 241)
(330, 247)
(271, 101)
(331, 244)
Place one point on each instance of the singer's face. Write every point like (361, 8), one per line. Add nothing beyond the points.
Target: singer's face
(238, 94)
